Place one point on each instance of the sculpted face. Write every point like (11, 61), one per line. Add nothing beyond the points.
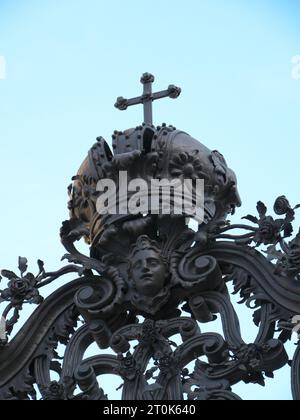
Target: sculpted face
(148, 272)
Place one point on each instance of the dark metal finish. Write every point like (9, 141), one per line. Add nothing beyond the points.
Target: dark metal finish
(149, 278)
(148, 97)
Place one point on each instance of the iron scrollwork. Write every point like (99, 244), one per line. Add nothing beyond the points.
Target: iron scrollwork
(150, 282)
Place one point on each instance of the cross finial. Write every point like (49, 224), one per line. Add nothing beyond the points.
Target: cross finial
(148, 97)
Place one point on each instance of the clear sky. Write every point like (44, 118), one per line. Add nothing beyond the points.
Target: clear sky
(68, 60)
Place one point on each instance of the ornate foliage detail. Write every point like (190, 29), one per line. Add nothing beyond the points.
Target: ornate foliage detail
(25, 288)
(269, 231)
(55, 391)
(149, 283)
(200, 387)
(163, 271)
(166, 268)
(288, 258)
(128, 369)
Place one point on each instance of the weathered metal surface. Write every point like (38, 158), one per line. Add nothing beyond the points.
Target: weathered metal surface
(149, 278)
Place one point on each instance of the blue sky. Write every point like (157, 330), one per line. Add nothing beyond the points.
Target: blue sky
(67, 61)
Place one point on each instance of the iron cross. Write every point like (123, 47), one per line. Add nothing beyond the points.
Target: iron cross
(148, 97)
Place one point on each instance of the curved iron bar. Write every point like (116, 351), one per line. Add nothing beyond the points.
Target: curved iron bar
(211, 345)
(42, 371)
(267, 324)
(136, 388)
(237, 226)
(75, 350)
(296, 375)
(221, 303)
(21, 350)
(284, 292)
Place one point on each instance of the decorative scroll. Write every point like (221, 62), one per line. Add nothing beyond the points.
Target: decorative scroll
(150, 282)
